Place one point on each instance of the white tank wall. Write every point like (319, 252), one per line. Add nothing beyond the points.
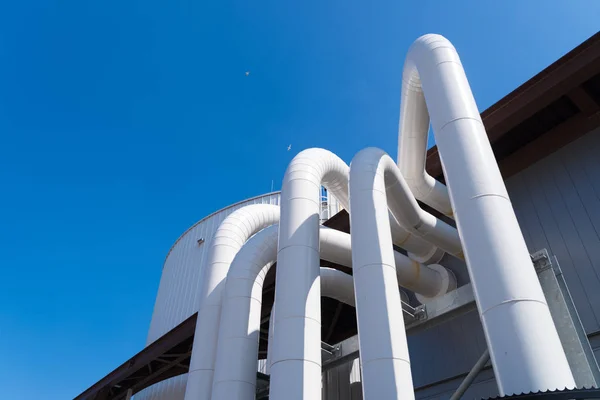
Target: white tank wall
(180, 280)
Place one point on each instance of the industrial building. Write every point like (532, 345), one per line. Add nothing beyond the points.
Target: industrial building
(539, 319)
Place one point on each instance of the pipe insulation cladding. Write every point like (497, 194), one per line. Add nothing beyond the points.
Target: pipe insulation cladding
(412, 151)
(525, 349)
(227, 241)
(372, 169)
(375, 184)
(296, 363)
(237, 350)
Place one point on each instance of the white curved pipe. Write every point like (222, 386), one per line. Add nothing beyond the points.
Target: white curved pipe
(296, 360)
(235, 368)
(229, 238)
(337, 285)
(383, 351)
(412, 149)
(296, 363)
(227, 241)
(508, 293)
(373, 170)
(426, 280)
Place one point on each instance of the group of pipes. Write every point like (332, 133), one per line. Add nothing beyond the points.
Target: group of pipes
(381, 197)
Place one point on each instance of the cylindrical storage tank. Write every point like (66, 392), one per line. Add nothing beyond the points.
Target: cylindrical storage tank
(180, 281)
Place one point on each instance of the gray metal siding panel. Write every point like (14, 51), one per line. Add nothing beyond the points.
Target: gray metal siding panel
(483, 387)
(181, 276)
(595, 344)
(556, 201)
(343, 382)
(446, 350)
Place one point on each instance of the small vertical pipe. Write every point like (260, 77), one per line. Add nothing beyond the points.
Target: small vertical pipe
(464, 385)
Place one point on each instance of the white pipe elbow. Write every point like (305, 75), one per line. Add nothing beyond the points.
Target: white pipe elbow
(427, 280)
(531, 358)
(318, 167)
(229, 238)
(412, 146)
(373, 170)
(242, 299)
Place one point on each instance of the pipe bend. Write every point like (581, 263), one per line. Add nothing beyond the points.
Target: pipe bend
(425, 57)
(372, 169)
(242, 298)
(229, 238)
(318, 167)
(435, 87)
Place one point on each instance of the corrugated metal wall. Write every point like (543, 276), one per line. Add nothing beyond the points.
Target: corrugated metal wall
(179, 283)
(557, 201)
(180, 280)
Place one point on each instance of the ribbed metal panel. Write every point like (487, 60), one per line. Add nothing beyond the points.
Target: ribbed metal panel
(557, 202)
(181, 277)
(176, 299)
(343, 382)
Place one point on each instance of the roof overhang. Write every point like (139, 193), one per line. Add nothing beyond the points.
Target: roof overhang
(547, 112)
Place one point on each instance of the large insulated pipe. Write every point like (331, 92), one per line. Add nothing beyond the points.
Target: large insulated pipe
(375, 178)
(426, 280)
(412, 150)
(372, 167)
(227, 241)
(235, 368)
(296, 362)
(525, 349)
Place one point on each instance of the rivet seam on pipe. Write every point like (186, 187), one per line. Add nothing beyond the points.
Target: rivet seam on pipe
(296, 359)
(304, 198)
(524, 299)
(298, 245)
(459, 119)
(449, 62)
(199, 369)
(375, 265)
(491, 195)
(215, 245)
(386, 358)
(304, 178)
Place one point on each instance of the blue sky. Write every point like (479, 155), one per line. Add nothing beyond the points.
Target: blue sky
(123, 122)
